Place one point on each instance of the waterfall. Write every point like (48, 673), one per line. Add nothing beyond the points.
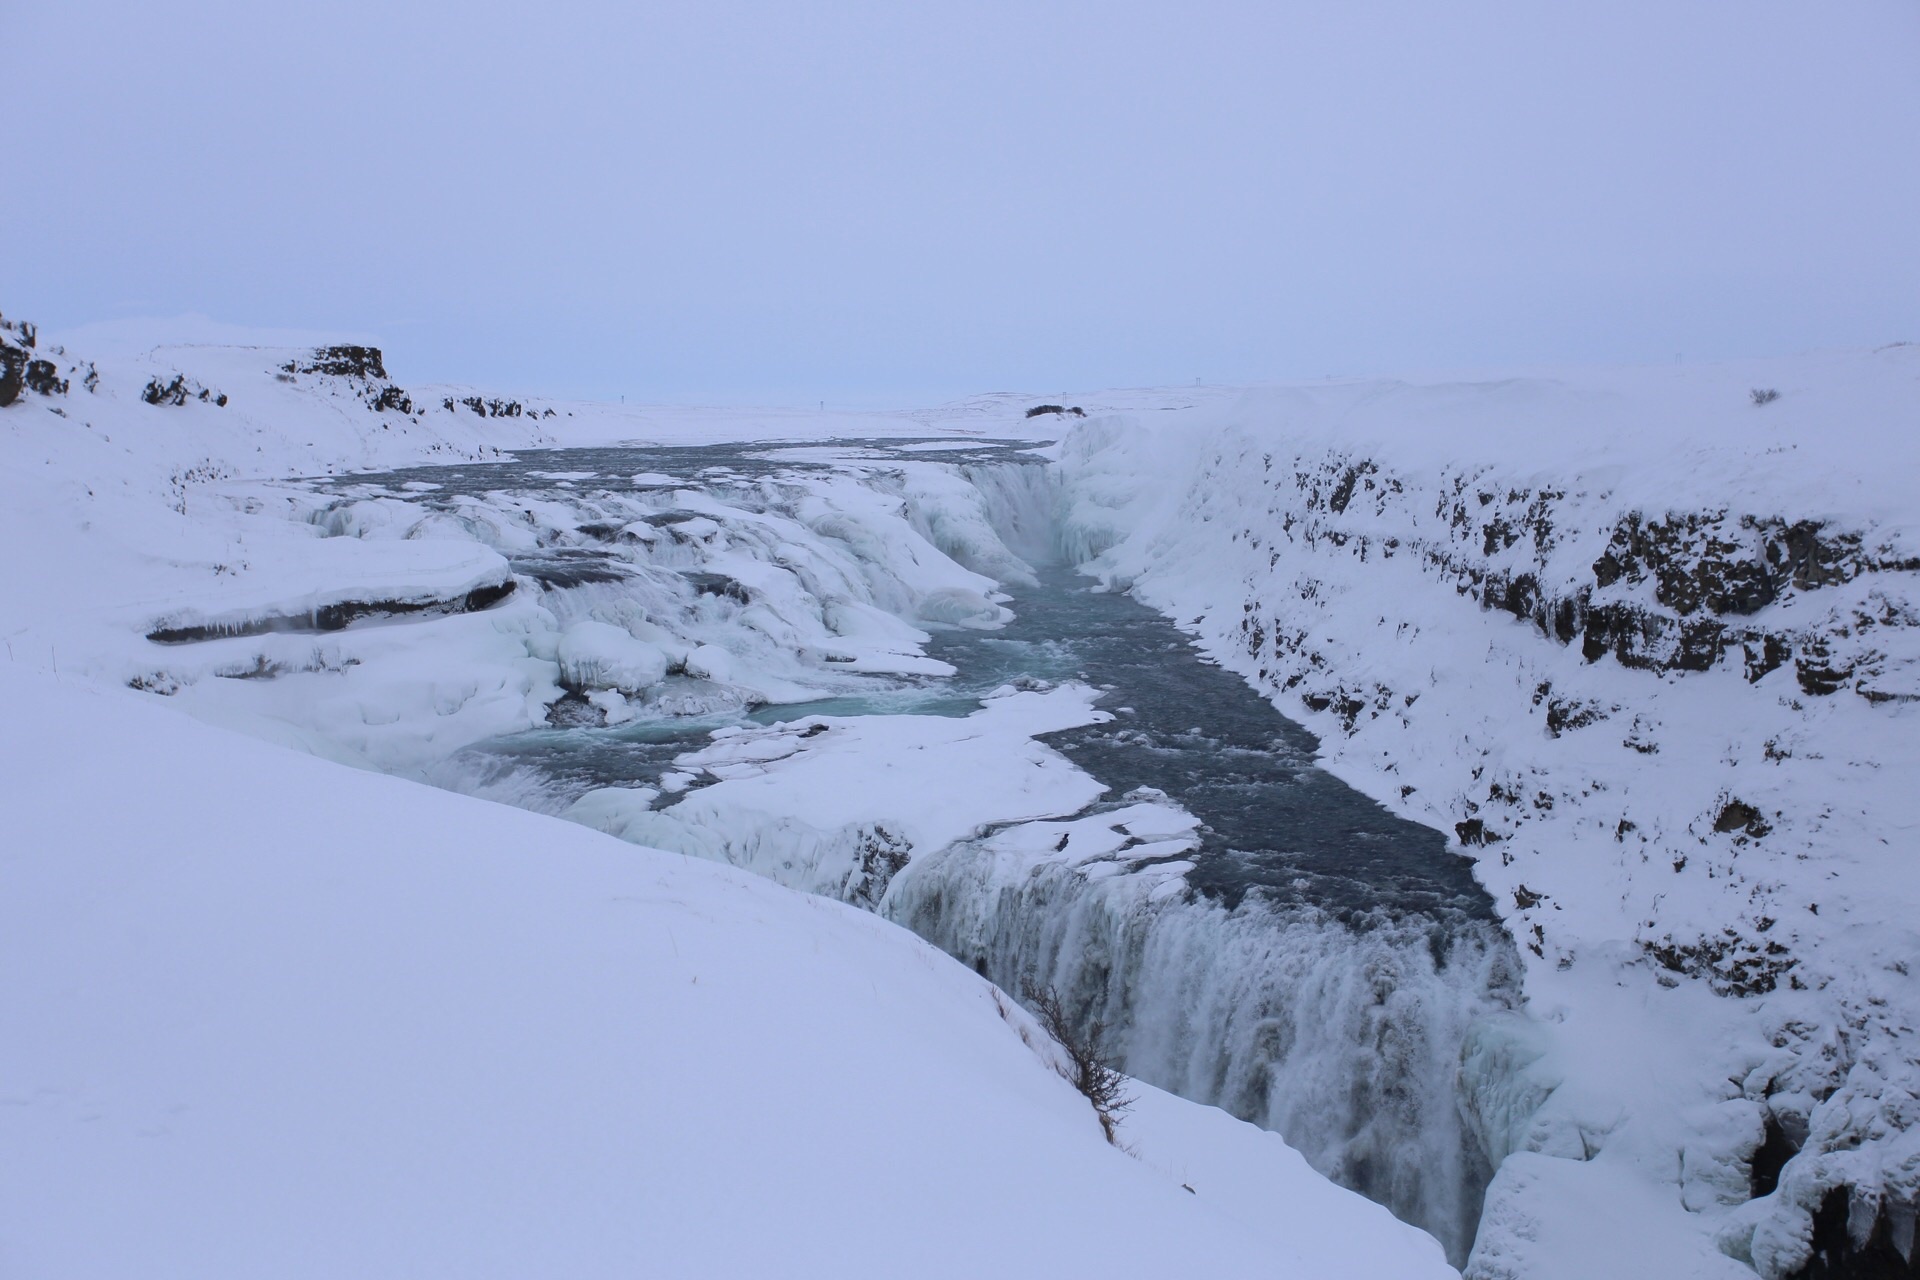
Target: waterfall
(1346, 1041)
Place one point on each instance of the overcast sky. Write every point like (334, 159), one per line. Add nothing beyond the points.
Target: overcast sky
(909, 200)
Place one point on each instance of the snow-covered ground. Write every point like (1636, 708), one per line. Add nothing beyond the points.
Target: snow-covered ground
(1644, 642)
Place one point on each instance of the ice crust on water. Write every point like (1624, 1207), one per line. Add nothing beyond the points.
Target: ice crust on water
(599, 655)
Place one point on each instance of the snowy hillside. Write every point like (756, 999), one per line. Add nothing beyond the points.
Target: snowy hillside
(268, 1015)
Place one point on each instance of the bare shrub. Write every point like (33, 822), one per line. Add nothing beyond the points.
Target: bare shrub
(1089, 1068)
(1763, 395)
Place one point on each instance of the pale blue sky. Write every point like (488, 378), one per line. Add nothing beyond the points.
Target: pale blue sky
(906, 201)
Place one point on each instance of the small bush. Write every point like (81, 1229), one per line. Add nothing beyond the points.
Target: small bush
(1089, 1069)
(1763, 395)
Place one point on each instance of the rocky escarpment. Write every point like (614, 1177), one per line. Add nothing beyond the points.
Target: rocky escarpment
(362, 369)
(1664, 718)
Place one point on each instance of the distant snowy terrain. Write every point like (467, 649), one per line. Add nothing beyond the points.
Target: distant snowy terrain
(1641, 642)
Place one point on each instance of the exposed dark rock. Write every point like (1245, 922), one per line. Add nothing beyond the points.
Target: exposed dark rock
(485, 408)
(1765, 655)
(391, 399)
(363, 366)
(1474, 832)
(342, 362)
(43, 377)
(1343, 492)
(1816, 671)
(1564, 714)
(13, 372)
(1731, 965)
(334, 617)
(179, 391)
(1738, 815)
(571, 710)
(21, 368)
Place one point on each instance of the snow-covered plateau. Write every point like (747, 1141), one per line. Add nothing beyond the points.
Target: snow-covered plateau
(1581, 937)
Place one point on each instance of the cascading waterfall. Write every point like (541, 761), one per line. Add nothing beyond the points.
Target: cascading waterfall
(1346, 1041)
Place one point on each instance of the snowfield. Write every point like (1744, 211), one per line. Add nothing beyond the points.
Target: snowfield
(1642, 642)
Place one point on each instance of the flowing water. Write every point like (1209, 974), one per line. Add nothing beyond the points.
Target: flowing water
(1325, 967)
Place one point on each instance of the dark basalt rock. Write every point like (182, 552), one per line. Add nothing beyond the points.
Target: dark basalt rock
(1816, 671)
(1474, 832)
(342, 362)
(179, 391)
(571, 710)
(335, 617)
(1733, 964)
(1765, 655)
(488, 408)
(391, 399)
(1738, 815)
(21, 370)
(43, 376)
(363, 365)
(13, 372)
